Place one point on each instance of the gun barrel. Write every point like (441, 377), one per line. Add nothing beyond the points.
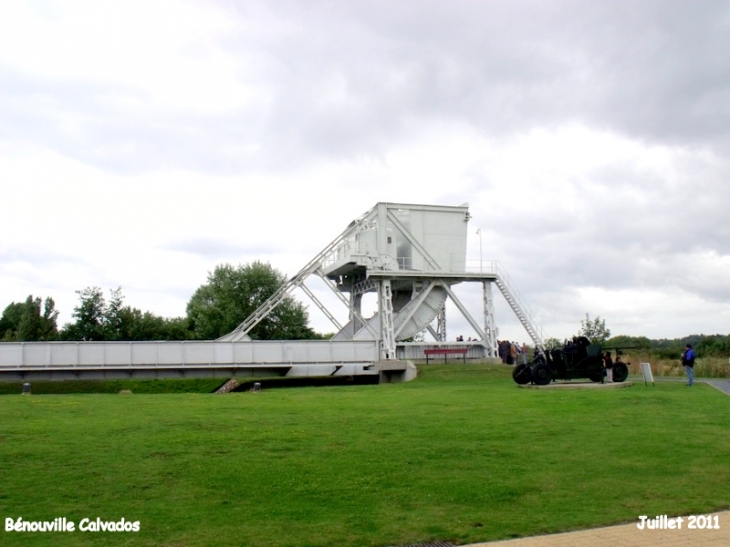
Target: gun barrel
(619, 348)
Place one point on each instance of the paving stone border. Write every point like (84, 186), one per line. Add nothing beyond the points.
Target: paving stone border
(578, 385)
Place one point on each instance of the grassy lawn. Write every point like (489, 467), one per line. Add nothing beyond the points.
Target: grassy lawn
(461, 454)
(197, 385)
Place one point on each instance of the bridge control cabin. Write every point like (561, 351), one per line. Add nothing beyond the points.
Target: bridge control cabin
(401, 237)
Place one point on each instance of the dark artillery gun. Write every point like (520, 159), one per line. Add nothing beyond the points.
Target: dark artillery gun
(577, 359)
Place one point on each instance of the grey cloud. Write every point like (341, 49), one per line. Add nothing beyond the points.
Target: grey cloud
(652, 70)
(76, 119)
(218, 249)
(351, 80)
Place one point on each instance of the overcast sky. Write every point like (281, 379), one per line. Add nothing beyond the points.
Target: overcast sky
(143, 143)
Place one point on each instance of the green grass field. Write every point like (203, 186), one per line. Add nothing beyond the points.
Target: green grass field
(181, 385)
(460, 454)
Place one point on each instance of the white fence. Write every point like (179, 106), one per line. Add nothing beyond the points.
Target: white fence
(49, 355)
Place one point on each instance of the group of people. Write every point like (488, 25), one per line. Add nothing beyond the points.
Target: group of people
(512, 353)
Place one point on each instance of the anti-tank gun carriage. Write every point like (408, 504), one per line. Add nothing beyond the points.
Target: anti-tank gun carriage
(577, 359)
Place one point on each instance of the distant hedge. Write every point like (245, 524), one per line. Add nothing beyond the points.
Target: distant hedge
(177, 385)
(713, 345)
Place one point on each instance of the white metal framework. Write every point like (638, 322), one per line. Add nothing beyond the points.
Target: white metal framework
(410, 256)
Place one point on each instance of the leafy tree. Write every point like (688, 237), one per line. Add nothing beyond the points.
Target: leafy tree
(233, 293)
(47, 328)
(97, 319)
(552, 343)
(595, 330)
(634, 342)
(713, 345)
(418, 337)
(140, 325)
(10, 320)
(90, 317)
(116, 318)
(23, 321)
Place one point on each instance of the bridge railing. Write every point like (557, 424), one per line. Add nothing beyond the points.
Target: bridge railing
(24, 355)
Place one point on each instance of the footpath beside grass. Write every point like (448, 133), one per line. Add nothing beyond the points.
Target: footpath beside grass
(461, 454)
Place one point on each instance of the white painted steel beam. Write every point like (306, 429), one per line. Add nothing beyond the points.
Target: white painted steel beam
(346, 302)
(387, 328)
(321, 306)
(441, 324)
(490, 329)
(413, 308)
(465, 313)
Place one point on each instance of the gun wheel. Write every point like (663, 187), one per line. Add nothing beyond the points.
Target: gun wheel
(542, 374)
(522, 374)
(620, 372)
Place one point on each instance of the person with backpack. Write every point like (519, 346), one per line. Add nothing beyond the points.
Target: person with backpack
(688, 360)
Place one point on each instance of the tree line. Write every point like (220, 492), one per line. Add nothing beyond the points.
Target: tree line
(713, 345)
(230, 294)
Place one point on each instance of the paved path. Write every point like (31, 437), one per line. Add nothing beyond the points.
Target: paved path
(718, 383)
(629, 535)
(722, 385)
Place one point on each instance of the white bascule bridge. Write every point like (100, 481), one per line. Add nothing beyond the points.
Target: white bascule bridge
(410, 256)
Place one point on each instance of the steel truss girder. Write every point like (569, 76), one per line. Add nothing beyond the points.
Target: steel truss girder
(441, 324)
(321, 306)
(419, 300)
(345, 301)
(465, 313)
(387, 328)
(361, 287)
(369, 285)
(489, 323)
